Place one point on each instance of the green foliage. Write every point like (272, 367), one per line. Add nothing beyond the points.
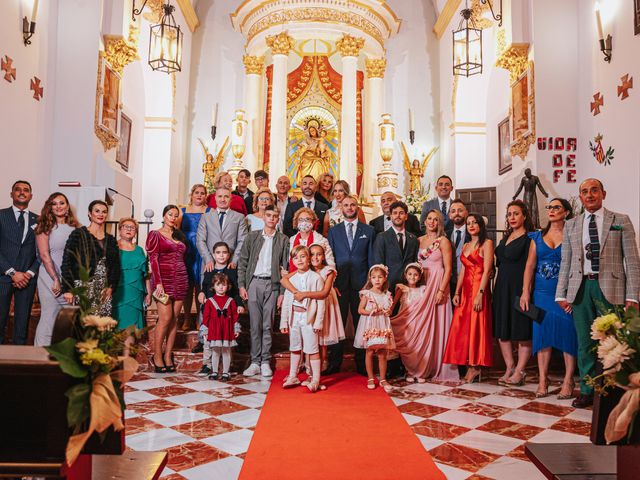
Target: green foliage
(78, 409)
(65, 353)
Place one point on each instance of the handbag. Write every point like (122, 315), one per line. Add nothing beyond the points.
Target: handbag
(163, 298)
(534, 313)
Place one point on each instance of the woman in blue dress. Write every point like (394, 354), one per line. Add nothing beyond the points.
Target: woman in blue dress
(556, 329)
(189, 219)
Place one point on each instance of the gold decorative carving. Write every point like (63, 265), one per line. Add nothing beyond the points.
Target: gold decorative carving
(521, 146)
(350, 46)
(253, 64)
(514, 58)
(375, 67)
(477, 15)
(154, 12)
(387, 182)
(454, 94)
(108, 139)
(281, 43)
(315, 14)
(501, 42)
(120, 52)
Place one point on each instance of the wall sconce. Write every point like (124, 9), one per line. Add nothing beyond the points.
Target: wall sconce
(496, 16)
(605, 44)
(29, 27)
(137, 11)
(467, 47)
(214, 122)
(165, 43)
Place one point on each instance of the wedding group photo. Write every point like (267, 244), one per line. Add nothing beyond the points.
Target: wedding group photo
(277, 239)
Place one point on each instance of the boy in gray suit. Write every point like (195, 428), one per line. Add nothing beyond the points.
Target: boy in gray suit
(264, 253)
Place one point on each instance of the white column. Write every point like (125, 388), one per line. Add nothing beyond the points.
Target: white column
(254, 69)
(280, 45)
(350, 49)
(374, 92)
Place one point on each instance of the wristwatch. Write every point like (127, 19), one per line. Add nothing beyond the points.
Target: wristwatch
(11, 272)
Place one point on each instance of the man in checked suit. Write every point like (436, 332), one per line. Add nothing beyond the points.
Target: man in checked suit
(18, 262)
(352, 245)
(600, 266)
(444, 187)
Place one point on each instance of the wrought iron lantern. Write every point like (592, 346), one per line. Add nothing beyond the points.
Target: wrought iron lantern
(467, 47)
(165, 43)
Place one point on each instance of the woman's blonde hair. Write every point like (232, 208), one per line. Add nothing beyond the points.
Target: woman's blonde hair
(218, 178)
(300, 212)
(345, 186)
(322, 176)
(440, 230)
(299, 248)
(194, 188)
(260, 192)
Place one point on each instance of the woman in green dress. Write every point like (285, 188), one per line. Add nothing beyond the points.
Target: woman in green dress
(134, 289)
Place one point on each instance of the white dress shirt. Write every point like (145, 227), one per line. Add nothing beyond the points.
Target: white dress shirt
(586, 240)
(224, 220)
(447, 201)
(312, 203)
(463, 231)
(301, 284)
(263, 267)
(387, 222)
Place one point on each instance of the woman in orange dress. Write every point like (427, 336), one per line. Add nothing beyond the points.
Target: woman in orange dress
(470, 338)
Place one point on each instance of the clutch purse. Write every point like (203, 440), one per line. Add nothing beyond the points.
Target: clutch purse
(163, 298)
(534, 313)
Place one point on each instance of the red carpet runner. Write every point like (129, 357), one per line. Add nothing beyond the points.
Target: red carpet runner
(344, 432)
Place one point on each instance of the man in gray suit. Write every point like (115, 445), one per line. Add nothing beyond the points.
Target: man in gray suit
(600, 267)
(220, 225)
(264, 253)
(444, 187)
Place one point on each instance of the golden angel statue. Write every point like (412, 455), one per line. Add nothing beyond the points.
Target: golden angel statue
(212, 164)
(313, 156)
(416, 169)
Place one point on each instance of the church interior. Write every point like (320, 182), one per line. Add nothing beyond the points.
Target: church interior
(134, 102)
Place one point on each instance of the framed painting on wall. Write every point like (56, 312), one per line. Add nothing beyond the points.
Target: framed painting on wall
(122, 154)
(521, 108)
(108, 104)
(504, 147)
(636, 16)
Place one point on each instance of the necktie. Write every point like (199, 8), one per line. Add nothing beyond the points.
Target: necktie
(350, 234)
(401, 242)
(458, 237)
(21, 223)
(221, 218)
(307, 203)
(594, 243)
(443, 209)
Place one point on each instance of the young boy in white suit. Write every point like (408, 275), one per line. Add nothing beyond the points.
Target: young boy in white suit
(302, 319)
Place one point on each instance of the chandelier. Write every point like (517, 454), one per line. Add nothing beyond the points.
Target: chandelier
(165, 43)
(467, 47)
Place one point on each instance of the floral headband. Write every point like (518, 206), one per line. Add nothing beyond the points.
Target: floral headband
(415, 265)
(381, 267)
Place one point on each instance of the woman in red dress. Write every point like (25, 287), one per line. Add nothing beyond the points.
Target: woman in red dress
(167, 248)
(470, 338)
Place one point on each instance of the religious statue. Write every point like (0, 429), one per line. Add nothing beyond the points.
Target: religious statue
(416, 169)
(212, 164)
(314, 156)
(530, 183)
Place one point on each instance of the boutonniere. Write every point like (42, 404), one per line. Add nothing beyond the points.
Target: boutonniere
(617, 228)
(34, 226)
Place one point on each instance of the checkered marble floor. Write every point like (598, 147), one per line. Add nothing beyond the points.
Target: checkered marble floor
(475, 431)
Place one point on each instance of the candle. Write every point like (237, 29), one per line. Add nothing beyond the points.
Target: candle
(214, 116)
(410, 120)
(599, 22)
(34, 12)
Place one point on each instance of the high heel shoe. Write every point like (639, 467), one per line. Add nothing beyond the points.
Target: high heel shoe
(171, 368)
(570, 395)
(475, 378)
(545, 391)
(503, 380)
(522, 381)
(156, 368)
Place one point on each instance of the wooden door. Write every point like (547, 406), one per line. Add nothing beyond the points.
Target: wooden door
(482, 201)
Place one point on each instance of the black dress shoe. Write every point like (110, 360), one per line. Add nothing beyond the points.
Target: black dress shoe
(583, 401)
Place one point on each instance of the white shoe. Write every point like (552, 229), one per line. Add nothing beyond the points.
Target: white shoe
(265, 370)
(254, 369)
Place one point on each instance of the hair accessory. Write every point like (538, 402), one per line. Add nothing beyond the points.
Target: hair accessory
(380, 266)
(414, 265)
(316, 244)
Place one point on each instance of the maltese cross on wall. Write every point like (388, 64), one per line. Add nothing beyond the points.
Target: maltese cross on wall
(38, 90)
(6, 65)
(597, 103)
(623, 90)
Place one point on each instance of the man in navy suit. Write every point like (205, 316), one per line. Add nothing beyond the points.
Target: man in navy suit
(352, 245)
(18, 262)
(444, 187)
(308, 189)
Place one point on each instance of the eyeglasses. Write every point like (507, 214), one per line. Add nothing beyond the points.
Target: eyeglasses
(264, 199)
(128, 227)
(555, 208)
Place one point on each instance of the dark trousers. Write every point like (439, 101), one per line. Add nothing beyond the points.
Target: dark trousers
(22, 302)
(349, 300)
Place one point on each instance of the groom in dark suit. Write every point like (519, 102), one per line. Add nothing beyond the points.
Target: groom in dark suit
(308, 200)
(352, 245)
(18, 262)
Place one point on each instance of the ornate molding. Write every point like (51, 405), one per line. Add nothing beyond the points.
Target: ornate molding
(477, 14)
(281, 43)
(253, 64)
(501, 42)
(120, 52)
(349, 45)
(375, 67)
(514, 58)
(154, 12)
(447, 13)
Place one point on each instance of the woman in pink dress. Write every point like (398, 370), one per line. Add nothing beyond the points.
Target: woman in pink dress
(167, 248)
(421, 327)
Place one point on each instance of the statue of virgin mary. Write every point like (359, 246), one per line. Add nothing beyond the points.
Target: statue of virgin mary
(314, 157)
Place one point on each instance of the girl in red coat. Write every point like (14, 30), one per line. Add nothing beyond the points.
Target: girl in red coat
(221, 320)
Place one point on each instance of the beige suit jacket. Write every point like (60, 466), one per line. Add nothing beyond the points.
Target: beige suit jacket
(315, 308)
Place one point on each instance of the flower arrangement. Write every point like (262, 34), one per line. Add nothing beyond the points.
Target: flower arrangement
(415, 200)
(618, 336)
(96, 355)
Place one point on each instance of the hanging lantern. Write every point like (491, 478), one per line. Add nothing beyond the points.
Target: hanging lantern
(467, 47)
(165, 43)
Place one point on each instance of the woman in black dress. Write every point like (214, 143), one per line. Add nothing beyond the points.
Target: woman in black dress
(510, 326)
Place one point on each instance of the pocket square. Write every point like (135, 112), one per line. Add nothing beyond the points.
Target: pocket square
(617, 228)
(362, 236)
(34, 226)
